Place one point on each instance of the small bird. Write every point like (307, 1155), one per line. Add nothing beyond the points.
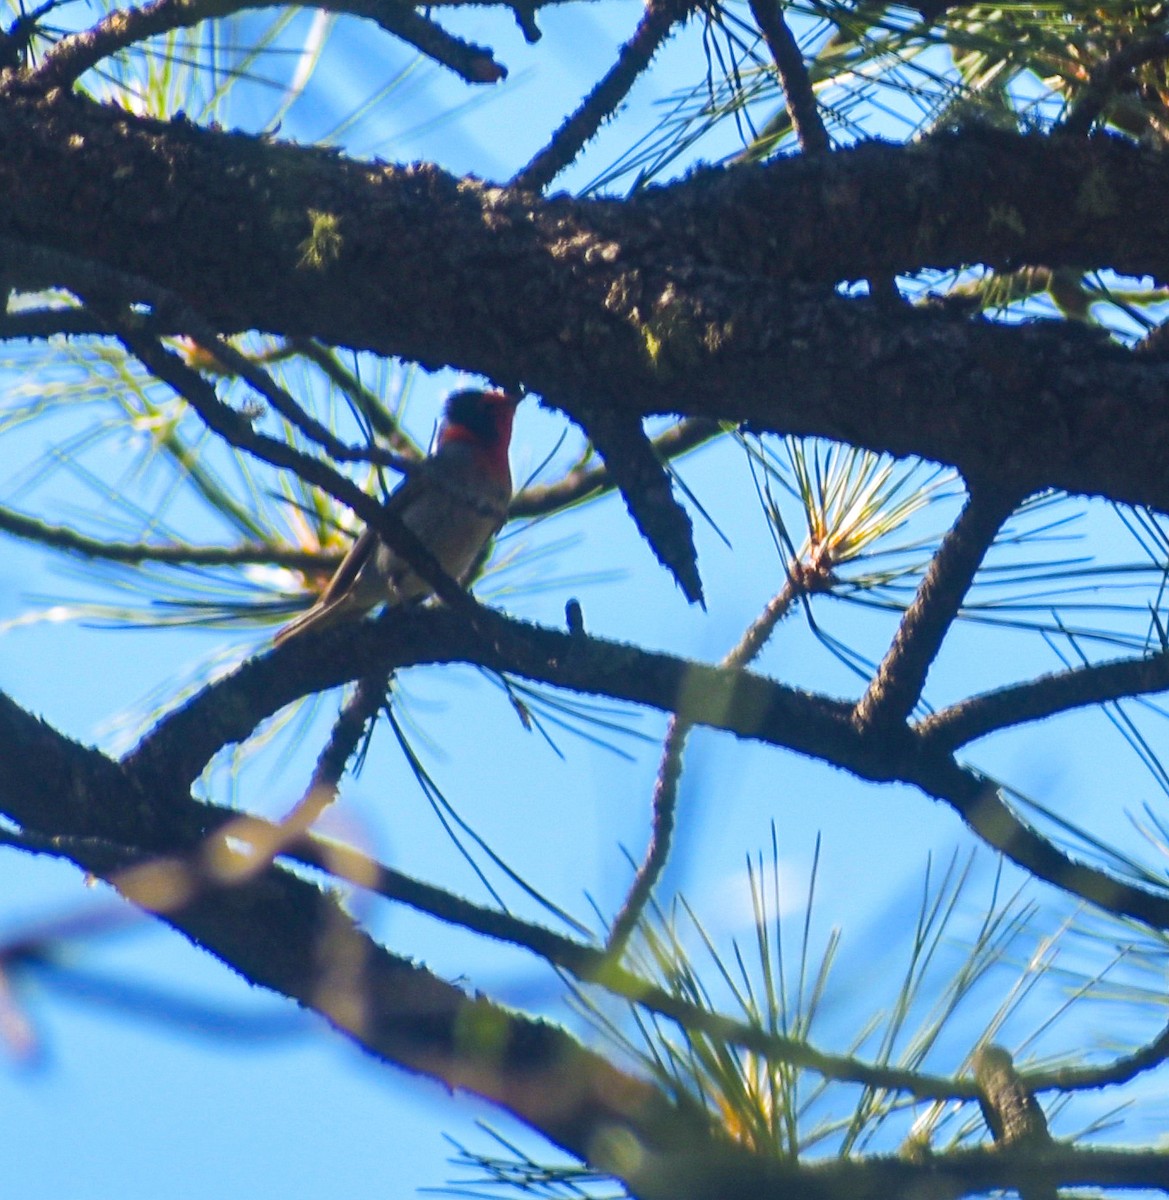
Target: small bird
(454, 502)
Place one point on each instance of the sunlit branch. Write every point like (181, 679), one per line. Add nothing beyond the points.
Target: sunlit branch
(272, 930)
(588, 964)
(798, 95)
(72, 56)
(822, 350)
(1046, 696)
(897, 686)
(658, 21)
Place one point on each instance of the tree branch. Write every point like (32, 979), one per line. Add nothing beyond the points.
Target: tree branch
(978, 801)
(798, 95)
(1046, 696)
(61, 537)
(648, 492)
(181, 744)
(72, 56)
(1107, 76)
(588, 964)
(726, 335)
(900, 679)
(541, 499)
(204, 822)
(656, 25)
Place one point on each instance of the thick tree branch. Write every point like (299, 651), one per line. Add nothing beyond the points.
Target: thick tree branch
(588, 964)
(285, 934)
(181, 744)
(680, 300)
(187, 827)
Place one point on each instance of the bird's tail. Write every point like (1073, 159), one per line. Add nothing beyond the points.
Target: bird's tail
(320, 616)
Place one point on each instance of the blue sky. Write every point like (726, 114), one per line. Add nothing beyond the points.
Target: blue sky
(166, 1075)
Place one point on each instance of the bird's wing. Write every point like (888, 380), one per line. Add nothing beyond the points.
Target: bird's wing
(346, 574)
(366, 544)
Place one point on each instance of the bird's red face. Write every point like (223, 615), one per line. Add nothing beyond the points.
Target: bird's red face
(482, 420)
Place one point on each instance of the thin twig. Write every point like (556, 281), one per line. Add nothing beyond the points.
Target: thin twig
(472, 63)
(61, 537)
(381, 422)
(111, 289)
(292, 411)
(348, 732)
(72, 56)
(897, 686)
(665, 794)
(267, 840)
(634, 57)
(799, 98)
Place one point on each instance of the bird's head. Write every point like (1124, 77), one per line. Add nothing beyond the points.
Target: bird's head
(481, 421)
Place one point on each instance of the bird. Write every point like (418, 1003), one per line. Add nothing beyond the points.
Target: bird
(454, 501)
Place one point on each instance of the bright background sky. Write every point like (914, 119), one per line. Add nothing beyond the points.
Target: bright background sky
(130, 1094)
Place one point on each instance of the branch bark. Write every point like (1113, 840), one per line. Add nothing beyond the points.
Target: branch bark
(689, 299)
(737, 701)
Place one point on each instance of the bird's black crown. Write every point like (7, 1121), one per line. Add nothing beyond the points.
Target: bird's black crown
(476, 411)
